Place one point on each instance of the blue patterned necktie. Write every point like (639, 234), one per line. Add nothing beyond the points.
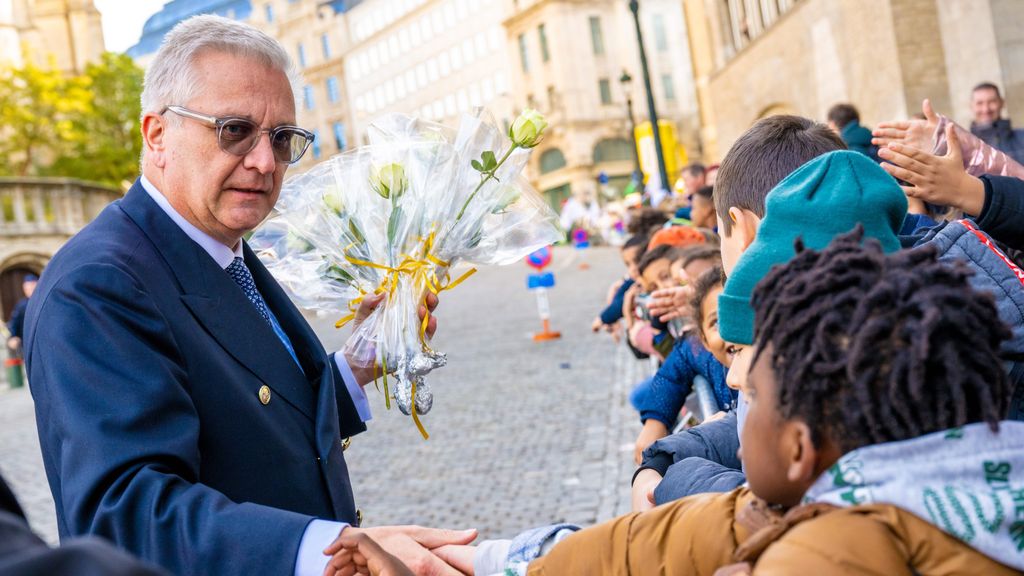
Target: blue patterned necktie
(239, 272)
(241, 275)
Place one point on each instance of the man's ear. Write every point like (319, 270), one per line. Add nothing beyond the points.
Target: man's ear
(154, 130)
(744, 223)
(802, 459)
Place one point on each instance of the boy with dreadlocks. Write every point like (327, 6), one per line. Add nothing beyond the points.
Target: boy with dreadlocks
(876, 395)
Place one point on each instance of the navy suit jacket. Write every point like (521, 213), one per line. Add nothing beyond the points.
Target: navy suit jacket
(145, 361)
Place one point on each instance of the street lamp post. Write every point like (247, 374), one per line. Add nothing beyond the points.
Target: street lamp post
(634, 7)
(626, 81)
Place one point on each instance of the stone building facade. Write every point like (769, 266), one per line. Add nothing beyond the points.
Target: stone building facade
(67, 31)
(37, 215)
(754, 58)
(568, 57)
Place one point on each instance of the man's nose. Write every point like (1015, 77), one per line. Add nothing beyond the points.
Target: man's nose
(261, 158)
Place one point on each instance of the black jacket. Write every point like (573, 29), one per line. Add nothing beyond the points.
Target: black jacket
(22, 553)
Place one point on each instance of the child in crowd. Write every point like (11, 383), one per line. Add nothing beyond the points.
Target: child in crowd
(646, 333)
(660, 402)
(879, 449)
(631, 252)
(702, 210)
(660, 455)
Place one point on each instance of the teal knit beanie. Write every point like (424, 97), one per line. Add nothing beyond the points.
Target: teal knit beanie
(822, 199)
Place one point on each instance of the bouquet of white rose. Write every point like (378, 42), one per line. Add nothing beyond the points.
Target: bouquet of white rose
(396, 217)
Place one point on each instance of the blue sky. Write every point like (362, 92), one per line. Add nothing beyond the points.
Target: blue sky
(123, 20)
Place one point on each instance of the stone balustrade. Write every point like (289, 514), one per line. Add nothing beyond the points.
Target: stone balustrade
(50, 206)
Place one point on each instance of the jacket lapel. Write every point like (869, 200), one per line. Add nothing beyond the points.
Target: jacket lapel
(219, 305)
(309, 350)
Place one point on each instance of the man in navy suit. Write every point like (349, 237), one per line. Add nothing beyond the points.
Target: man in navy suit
(186, 411)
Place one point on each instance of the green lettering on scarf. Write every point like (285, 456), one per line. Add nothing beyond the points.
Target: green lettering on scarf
(935, 505)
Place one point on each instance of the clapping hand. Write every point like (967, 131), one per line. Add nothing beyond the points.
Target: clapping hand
(393, 551)
(916, 133)
(940, 180)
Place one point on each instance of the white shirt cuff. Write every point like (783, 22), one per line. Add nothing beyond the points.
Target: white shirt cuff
(319, 534)
(354, 389)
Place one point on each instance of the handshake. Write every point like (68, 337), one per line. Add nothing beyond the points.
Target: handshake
(401, 551)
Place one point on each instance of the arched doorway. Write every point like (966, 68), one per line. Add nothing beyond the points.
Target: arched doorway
(11, 280)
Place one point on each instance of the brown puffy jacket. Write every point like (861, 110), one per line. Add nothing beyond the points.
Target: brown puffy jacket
(695, 535)
(703, 534)
(876, 539)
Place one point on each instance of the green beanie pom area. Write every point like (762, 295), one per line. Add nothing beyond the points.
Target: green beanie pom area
(822, 199)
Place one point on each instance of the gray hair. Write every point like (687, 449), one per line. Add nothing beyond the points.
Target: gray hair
(170, 79)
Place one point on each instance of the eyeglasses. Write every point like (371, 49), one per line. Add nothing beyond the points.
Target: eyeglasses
(239, 136)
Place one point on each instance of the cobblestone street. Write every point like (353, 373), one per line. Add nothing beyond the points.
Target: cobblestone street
(522, 433)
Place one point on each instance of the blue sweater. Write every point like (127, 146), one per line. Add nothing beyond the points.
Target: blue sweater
(674, 381)
(613, 313)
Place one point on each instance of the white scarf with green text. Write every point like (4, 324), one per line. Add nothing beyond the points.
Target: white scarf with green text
(968, 482)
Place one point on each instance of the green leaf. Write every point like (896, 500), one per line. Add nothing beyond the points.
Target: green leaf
(477, 238)
(334, 272)
(357, 234)
(477, 165)
(490, 162)
(396, 217)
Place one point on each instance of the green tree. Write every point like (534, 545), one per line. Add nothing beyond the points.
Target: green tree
(83, 126)
(105, 142)
(36, 107)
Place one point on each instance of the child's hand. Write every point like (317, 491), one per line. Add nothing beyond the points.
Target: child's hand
(629, 305)
(670, 303)
(938, 180)
(716, 416)
(653, 431)
(914, 133)
(360, 554)
(643, 489)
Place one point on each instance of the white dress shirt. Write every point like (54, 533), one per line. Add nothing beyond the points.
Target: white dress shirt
(319, 533)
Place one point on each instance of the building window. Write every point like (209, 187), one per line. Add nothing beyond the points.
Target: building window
(524, 56)
(316, 144)
(606, 90)
(660, 37)
(301, 51)
(544, 54)
(551, 160)
(325, 45)
(339, 135)
(333, 94)
(307, 93)
(596, 37)
(670, 88)
(613, 150)
(269, 11)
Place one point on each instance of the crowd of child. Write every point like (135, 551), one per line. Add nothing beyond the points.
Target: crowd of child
(867, 359)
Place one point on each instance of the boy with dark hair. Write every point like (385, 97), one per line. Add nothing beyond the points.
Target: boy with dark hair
(765, 154)
(845, 120)
(883, 438)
